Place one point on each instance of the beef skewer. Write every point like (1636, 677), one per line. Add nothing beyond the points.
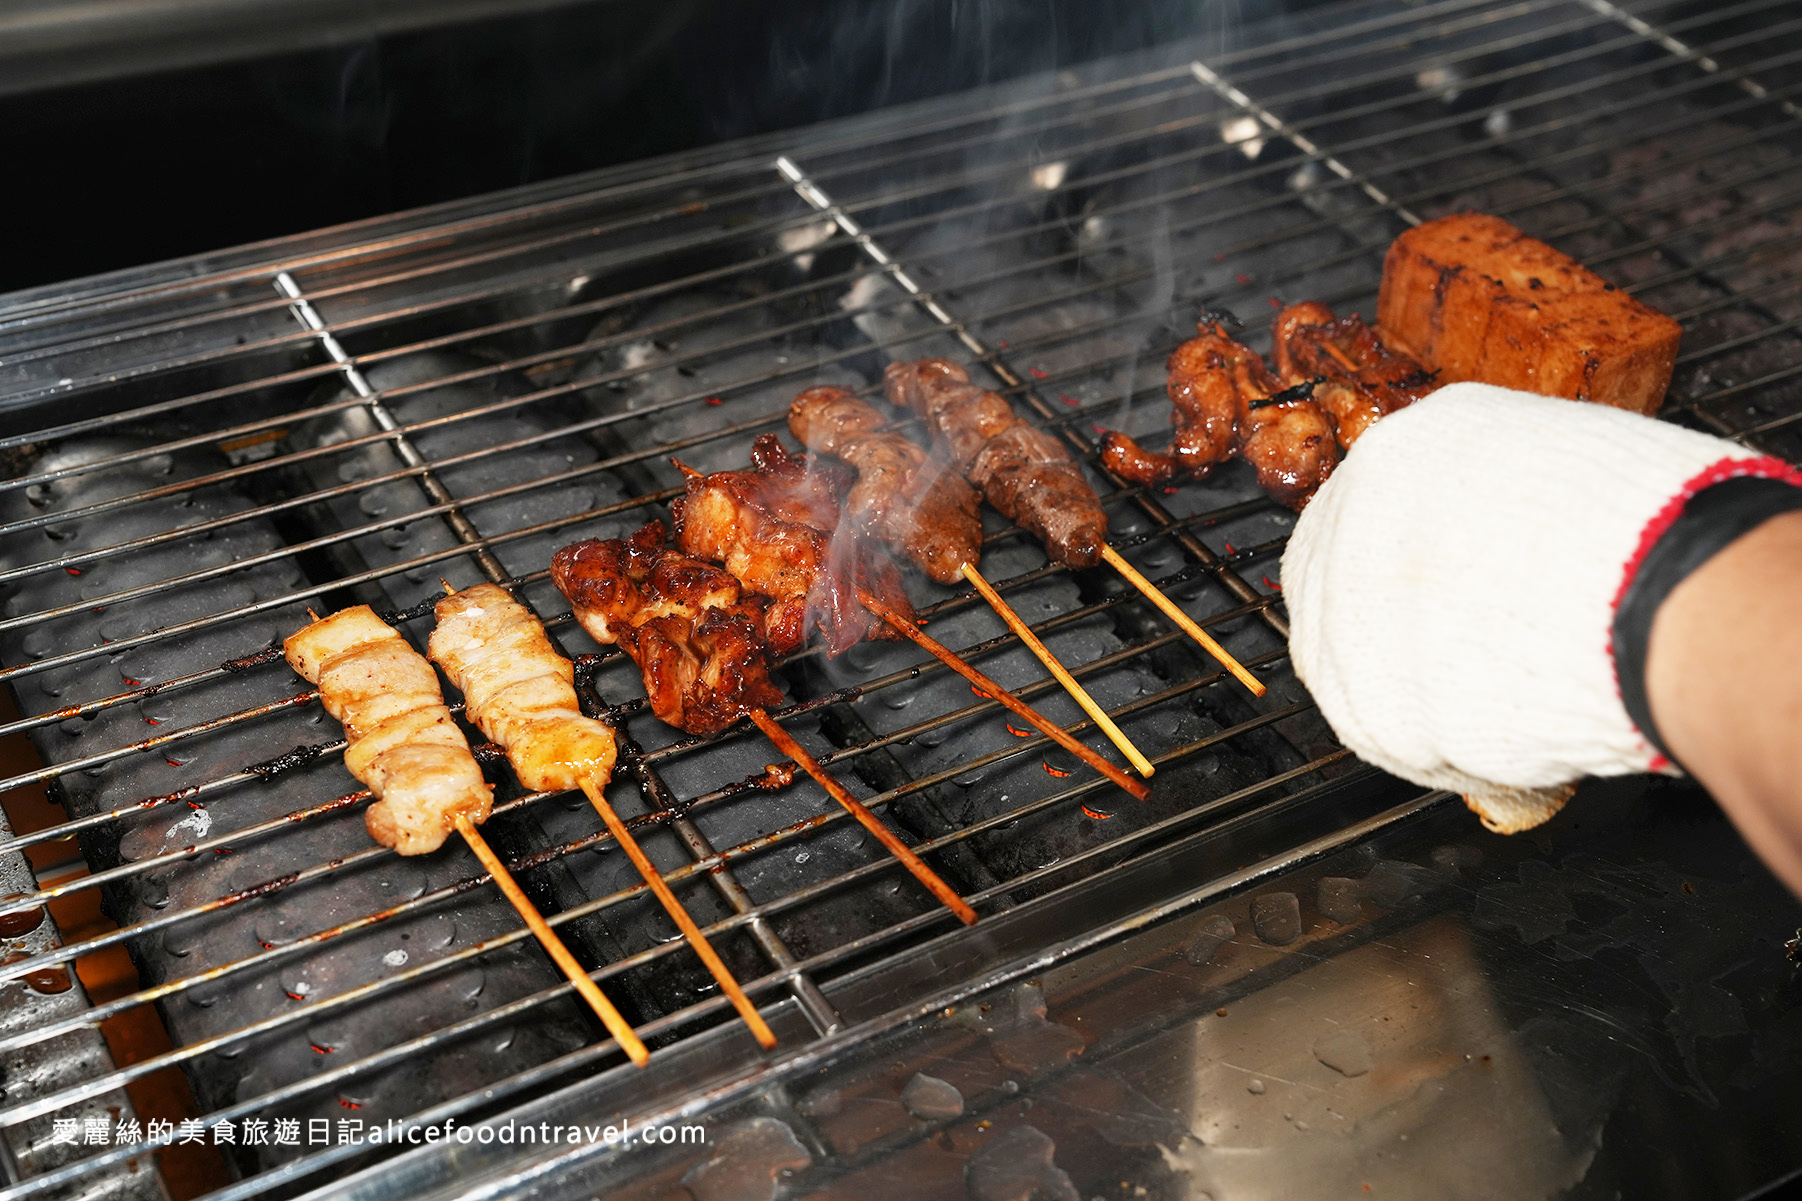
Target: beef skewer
(520, 692)
(926, 512)
(620, 589)
(1029, 476)
(401, 742)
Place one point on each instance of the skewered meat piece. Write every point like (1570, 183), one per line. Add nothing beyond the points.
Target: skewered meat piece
(519, 690)
(1359, 378)
(402, 743)
(907, 498)
(1224, 399)
(736, 519)
(1023, 471)
(1290, 442)
(1476, 299)
(805, 490)
(698, 642)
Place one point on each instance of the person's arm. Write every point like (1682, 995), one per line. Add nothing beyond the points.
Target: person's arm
(1475, 594)
(1724, 680)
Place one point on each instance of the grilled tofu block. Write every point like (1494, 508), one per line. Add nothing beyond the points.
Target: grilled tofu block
(1474, 298)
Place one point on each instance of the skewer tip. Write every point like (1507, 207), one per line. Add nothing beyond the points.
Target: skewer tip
(314, 616)
(445, 584)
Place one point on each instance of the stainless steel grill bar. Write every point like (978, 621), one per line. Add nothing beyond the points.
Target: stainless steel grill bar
(504, 252)
(659, 799)
(595, 1053)
(1215, 150)
(98, 1085)
(1209, 78)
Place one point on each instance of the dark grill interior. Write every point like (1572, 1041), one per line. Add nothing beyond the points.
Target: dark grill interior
(201, 451)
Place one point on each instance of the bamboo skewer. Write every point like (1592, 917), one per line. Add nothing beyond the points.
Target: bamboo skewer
(553, 945)
(1184, 622)
(1077, 692)
(857, 809)
(988, 687)
(760, 1030)
(653, 879)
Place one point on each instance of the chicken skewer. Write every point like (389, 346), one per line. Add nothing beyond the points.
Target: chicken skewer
(928, 513)
(402, 743)
(620, 589)
(520, 692)
(1029, 476)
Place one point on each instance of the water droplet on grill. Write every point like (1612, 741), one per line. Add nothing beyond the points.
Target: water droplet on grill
(1255, 1088)
(931, 1099)
(1276, 916)
(803, 856)
(1344, 1052)
(1018, 1164)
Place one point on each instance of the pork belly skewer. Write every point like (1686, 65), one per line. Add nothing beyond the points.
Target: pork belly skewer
(1028, 475)
(921, 509)
(726, 506)
(402, 743)
(520, 692)
(686, 624)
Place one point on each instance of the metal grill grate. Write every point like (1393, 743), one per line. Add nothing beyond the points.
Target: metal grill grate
(201, 450)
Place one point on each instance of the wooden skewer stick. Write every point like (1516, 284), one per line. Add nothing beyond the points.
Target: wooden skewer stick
(1184, 622)
(553, 946)
(773, 730)
(1077, 692)
(988, 687)
(728, 983)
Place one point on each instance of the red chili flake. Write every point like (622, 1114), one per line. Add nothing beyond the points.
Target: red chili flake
(1059, 772)
(195, 805)
(980, 692)
(73, 570)
(1242, 279)
(1017, 733)
(222, 850)
(349, 1104)
(1271, 586)
(1100, 817)
(151, 721)
(292, 996)
(1001, 345)
(716, 400)
(1275, 303)
(1170, 492)
(1036, 373)
(1069, 400)
(170, 762)
(267, 946)
(320, 1049)
(1098, 428)
(129, 682)
(1230, 550)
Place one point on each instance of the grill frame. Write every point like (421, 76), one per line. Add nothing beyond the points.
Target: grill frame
(93, 304)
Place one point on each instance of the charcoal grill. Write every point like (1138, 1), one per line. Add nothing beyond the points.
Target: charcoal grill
(200, 450)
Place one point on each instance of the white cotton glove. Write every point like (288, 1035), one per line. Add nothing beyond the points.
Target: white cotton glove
(1452, 587)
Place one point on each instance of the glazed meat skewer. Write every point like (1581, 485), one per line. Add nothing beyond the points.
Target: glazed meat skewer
(1030, 477)
(1359, 379)
(621, 589)
(402, 742)
(520, 691)
(926, 512)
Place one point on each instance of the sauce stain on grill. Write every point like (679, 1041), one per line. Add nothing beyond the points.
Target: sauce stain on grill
(295, 758)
